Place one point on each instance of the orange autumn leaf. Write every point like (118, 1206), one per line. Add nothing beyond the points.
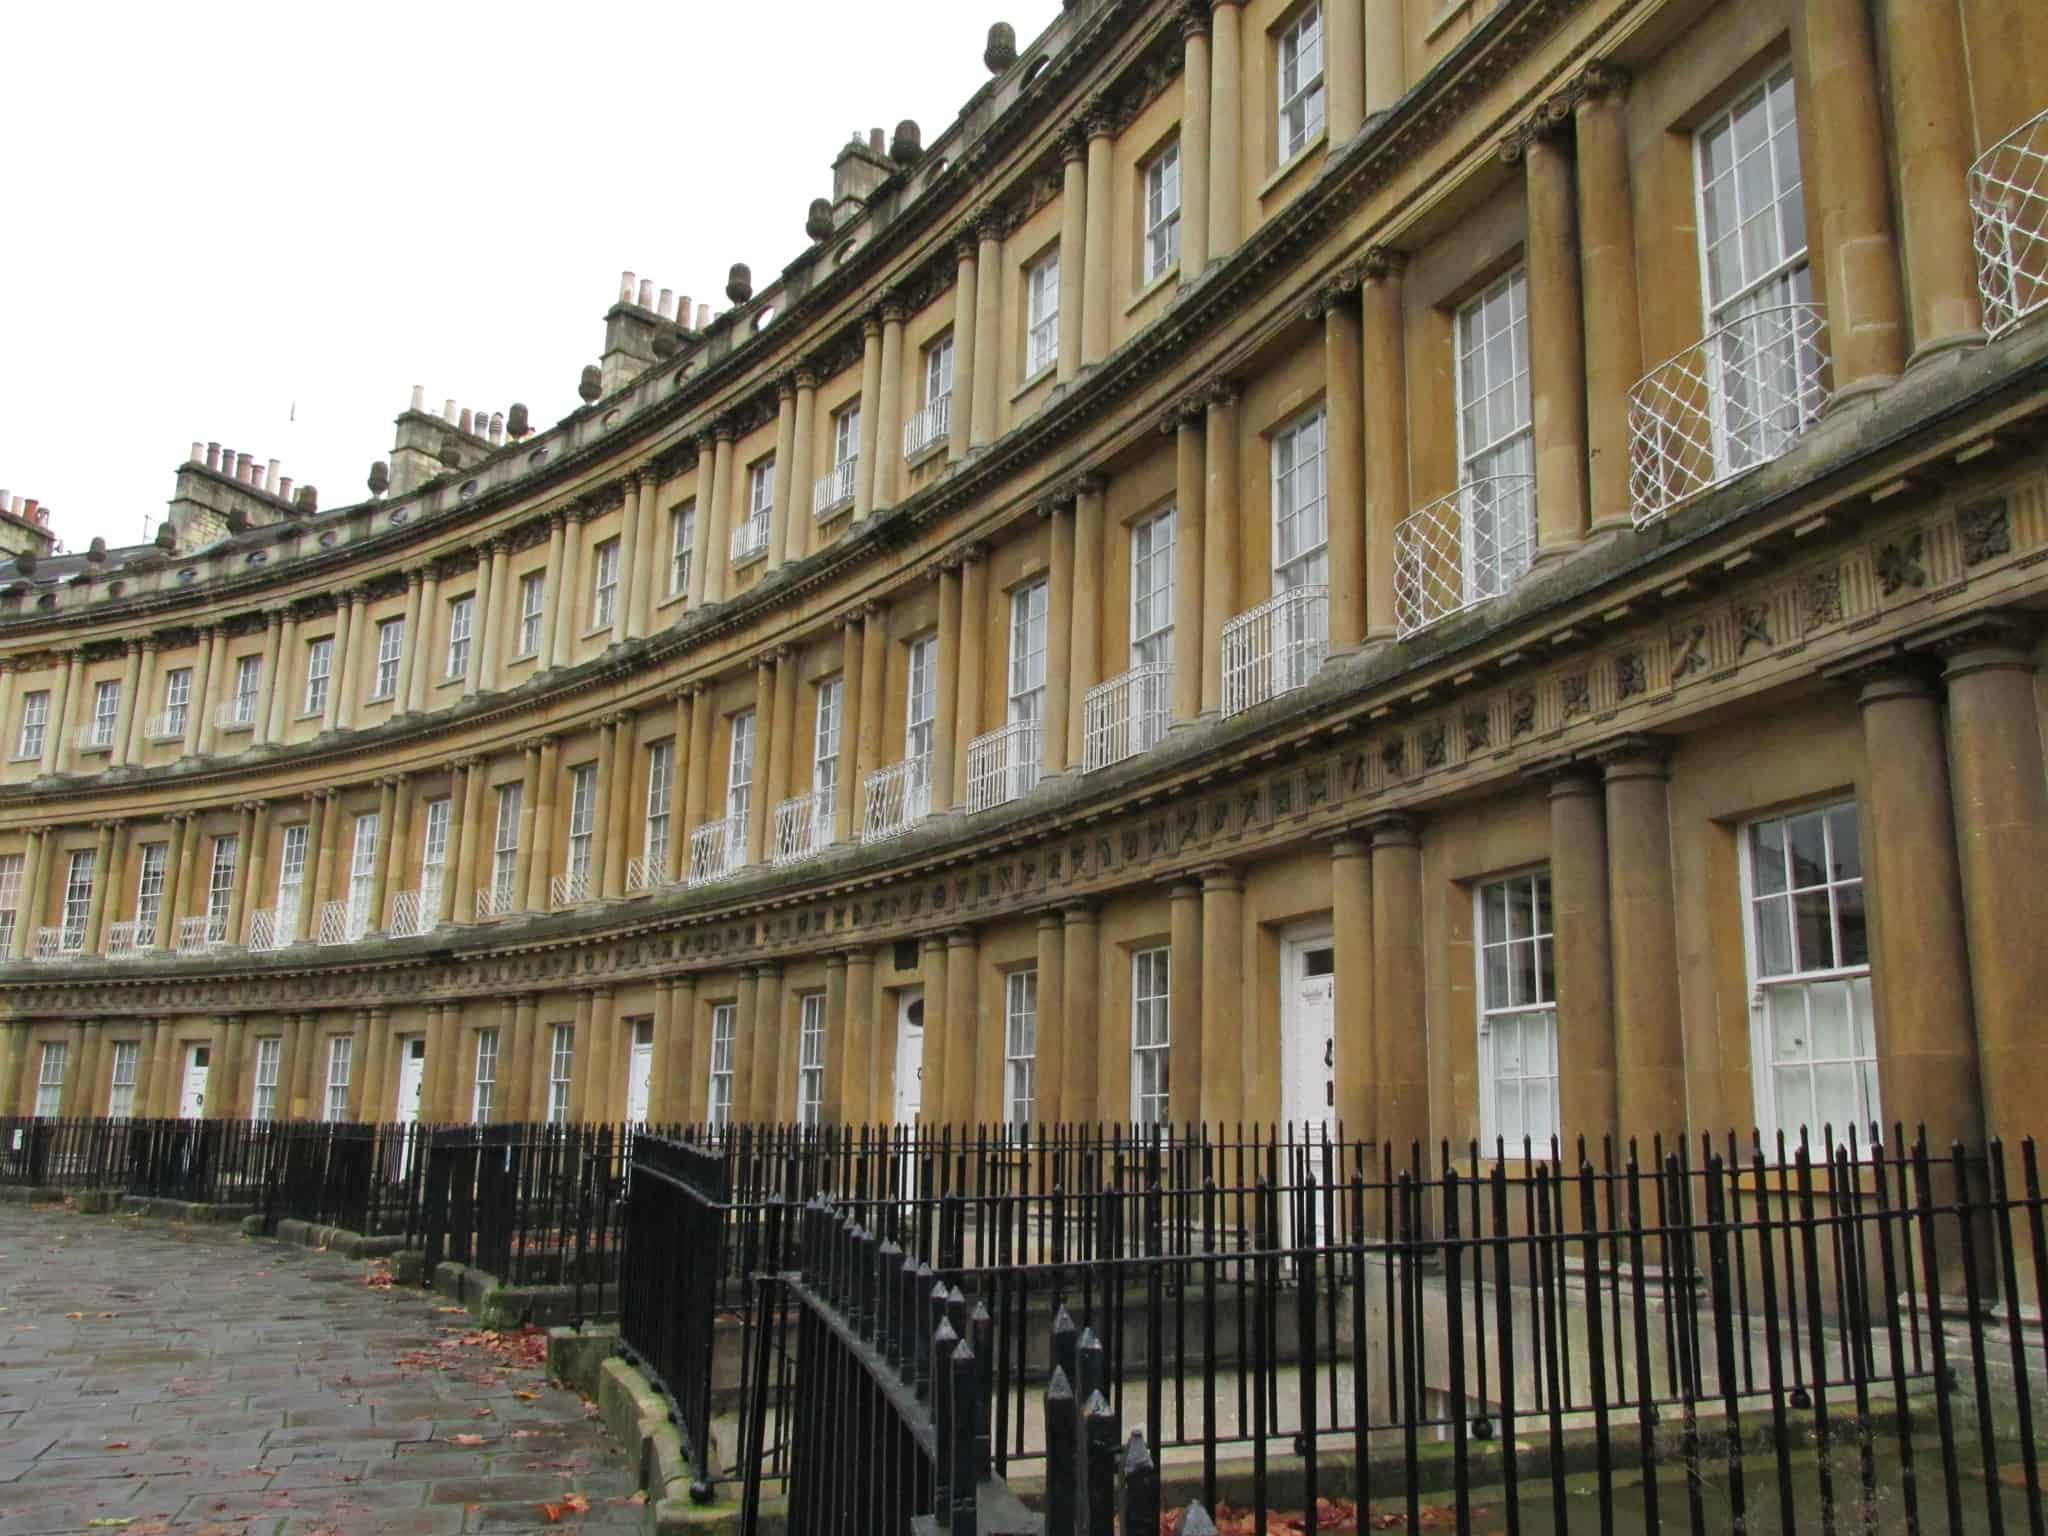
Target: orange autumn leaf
(552, 1513)
(471, 1440)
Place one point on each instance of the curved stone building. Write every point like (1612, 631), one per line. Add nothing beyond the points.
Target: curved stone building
(1459, 568)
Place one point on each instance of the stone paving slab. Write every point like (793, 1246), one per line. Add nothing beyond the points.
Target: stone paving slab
(162, 1380)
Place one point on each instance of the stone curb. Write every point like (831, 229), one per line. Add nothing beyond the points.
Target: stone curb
(307, 1234)
(29, 1194)
(185, 1210)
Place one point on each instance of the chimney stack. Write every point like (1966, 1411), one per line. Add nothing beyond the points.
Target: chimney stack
(448, 410)
(497, 427)
(243, 463)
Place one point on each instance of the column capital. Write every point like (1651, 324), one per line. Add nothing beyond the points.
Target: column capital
(1396, 829)
(724, 430)
(1633, 757)
(1092, 483)
(1382, 263)
(1220, 394)
(785, 385)
(1224, 5)
(991, 226)
(767, 970)
(1080, 910)
(1048, 920)
(1194, 19)
(871, 324)
(1073, 145)
(1550, 119)
(1099, 117)
(1601, 80)
(894, 310)
(2002, 638)
(965, 246)
(601, 993)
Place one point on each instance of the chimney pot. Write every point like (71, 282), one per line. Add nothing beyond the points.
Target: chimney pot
(243, 464)
(625, 287)
(665, 306)
(497, 426)
(6, 501)
(463, 422)
(419, 398)
(270, 474)
(198, 454)
(213, 456)
(647, 293)
(284, 489)
(703, 316)
(875, 140)
(683, 310)
(28, 509)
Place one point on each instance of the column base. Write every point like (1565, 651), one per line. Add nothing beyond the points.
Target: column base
(1557, 550)
(1941, 349)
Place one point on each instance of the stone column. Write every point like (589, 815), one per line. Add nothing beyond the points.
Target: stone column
(708, 490)
(533, 892)
(796, 528)
(931, 965)
(1557, 342)
(1607, 289)
(852, 723)
(1584, 978)
(1048, 1086)
(1219, 538)
(145, 690)
(366, 1090)
(967, 1101)
(337, 666)
(1222, 1086)
(1060, 704)
(758, 808)
(832, 1109)
(703, 712)
(1386, 69)
(870, 412)
(480, 622)
(770, 1094)
(1184, 1005)
(124, 713)
(1343, 466)
(969, 718)
(451, 869)
(90, 1074)
(678, 783)
(195, 707)
(553, 594)
(1096, 286)
(477, 838)
(1343, 72)
(341, 696)
(422, 641)
(636, 557)
(888, 410)
(245, 866)
(601, 826)
(1081, 1016)
(1400, 1031)
(945, 712)
(714, 531)
(629, 547)
(548, 777)
(220, 1092)
(306, 1096)
(874, 678)
(1386, 433)
(502, 612)
(1189, 524)
(860, 1052)
(1073, 250)
(579, 1062)
(607, 1100)
(397, 840)
(1355, 1037)
(625, 744)
(961, 413)
(782, 744)
(319, 812)
(2002, 832)
(409, 652)
(96, 906)
(1920, 961)
(1194, 142)
(1085, 669)
(1649, 1056)
(988, 316)
(1226, 130)
(782, 510)
(1930, 99)
(145, 1071)
(678, 1064)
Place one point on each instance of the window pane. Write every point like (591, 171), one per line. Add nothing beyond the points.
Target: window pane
(1828, 1014)
(1816, 951)
(1787, 1007)
(1847, 852)
(1774, 936)
(1853, 926)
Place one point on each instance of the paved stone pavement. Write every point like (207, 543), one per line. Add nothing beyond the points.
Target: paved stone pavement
(158, 1378)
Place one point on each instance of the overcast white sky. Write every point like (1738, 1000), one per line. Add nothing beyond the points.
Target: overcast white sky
(216, 212)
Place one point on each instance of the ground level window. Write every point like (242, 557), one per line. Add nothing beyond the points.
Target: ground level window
(1150, 1037)
(561, 1064)
(1020, 1046)
(1517, 1014)
(340, 1055)
(810, 1061)
(718, 1104)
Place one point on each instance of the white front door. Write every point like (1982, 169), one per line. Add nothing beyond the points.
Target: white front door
(909, 1054)
(639, 1076)
(412, 1064)
(1308, 1088)
(192, 1099)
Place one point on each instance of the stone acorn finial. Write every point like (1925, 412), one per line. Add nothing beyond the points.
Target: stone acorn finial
(739, 283)
(450, 454)
(238, 521)
(96, 552)
(665, 343)
(591, 385)
(517, 422)
(25, 562)
(1001, 51)
(380, 478)
(309, 500)
(907, 144)
(818, 222)
(166, 538)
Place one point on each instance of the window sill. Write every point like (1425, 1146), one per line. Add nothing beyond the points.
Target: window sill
(673, 600)
(931, 450)
(310, 714)
(31, 757)
(375, 698)
(603, 631)
(450, 682)
(751, 557)
(98, 749)
(1293, 163)
(174, 738)
(1170, 275)
(522, 658)
(1034, 381)
(836, 509)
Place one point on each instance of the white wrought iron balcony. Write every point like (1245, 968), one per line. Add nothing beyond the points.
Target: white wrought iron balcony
(413, 914)
(199, 935)
(2009, 199)
(343, 922)
(1002, 765)
(718, 849)
(64, 943)
(834, 488)
(168, 726)
(803, 827)
(1275, 648)
(1462, 549)
(496, 900)
(1127, 715)
(237, 714)
(750, 538)
(646, 874)
(97, 736)
(1734, 400)
(126, 940)
(895, 799)
(931, 425)
(266, 932)
(569, 890)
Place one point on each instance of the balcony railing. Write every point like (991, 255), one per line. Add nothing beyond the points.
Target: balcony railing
(931, 425)
(1462, 549)
(1126, 715)
(2009, 198)
(803, 827)
(1044, 344)
(266, 932)
(645, 874)
(718, 849)
(62, 943)
(98, 736)
(834, 488)
(344, 922)
(1275, 648)
(236, 713)
(1002, 765)
(198, 935)
(569, 890)
(412, 913)
(895, 799)
(168, 726)
(1736, 399)
(750, 538)
(496, 900)
(129, 939)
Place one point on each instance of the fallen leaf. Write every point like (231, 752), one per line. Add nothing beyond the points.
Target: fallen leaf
(527, 1397)
(115, 1445)
(108, 1521)
(552, 1513)
(451, 1309)
(74, 1317)
(576, 1504)
(467, 1439)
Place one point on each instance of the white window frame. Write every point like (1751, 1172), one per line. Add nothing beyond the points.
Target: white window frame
(604, 585)
(846, 435)
(561, 1072)
(362, 873)
(340, 1064)
(1496, 436)
(682, 542)
(825, 736)
(291, 878)
(269, 1059)
(661, 777)
(177, 700)
(582, 818)
(938, 370)
(35, 722)
(505, 843)
(1152, 541)
(10, 897)
(1298, 82)
(390, 650)
(1301, 504)
(1162, 212)
(921, 698)
(50, 1079)
(1020, 1047)
(1030, 610)
(1042, 314)
(434, 858)
(484, 1082)
(1772, 978)
(760, 507)
(533, 595)
(106, 711)
(248, 688)
(739, 770)
(461, 624)
(79, 872)
(220, 885)
(127, 1057)
(718, 1103)
(319, 669)
(810, 1060)
(1506, 959)
(149, 891)
(1151, 1035)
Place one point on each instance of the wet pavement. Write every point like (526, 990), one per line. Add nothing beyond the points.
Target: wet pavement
(158, 1378)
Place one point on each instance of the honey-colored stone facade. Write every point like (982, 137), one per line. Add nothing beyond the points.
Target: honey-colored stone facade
(1432, 776)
